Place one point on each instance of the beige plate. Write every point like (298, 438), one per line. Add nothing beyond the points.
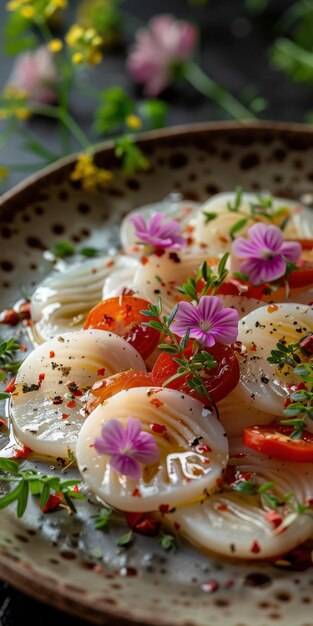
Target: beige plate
(52, 557)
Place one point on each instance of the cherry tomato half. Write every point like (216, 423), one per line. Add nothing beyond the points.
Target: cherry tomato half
(121, 315)
(231, 287)
(104, 389)
(218, 381)
(274, 440)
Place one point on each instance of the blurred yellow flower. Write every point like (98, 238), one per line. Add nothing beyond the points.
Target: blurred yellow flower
(13, 104)
(55, 45)
(133, 122)
(4, 173)
(84, 44)
(31, 9)
(89, 174)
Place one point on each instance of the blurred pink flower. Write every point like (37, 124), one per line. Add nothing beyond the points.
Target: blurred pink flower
(36, 74)
(165, 44)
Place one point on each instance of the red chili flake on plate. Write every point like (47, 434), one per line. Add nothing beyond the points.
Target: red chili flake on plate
(176, 525)
(21, 453)
(65, 416)
(23, 348)
(41, 377)
(10, 387)
(110, 263)
(221, 507)
(203, 448)
(51, 354)
(144, 260)
(164, 508)
(255, 548)
(159, 252)
(210, 586)
(160, 429)
(101, 371)
(25, 310)
(287, 402)
(143, 523)
(75, 488)
(136, 493)
(71, 404)
(274, 518)
(9, 317)
(53, 502)
(157, 403)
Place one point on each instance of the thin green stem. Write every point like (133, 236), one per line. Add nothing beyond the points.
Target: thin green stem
(58, 113)
(209, 88)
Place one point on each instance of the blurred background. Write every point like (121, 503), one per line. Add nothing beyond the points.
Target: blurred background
(258, 51)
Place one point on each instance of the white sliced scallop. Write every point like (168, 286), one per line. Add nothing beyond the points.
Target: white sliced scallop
(44, 415)
(238, 525)
(173, 207)
(242, 304)
(215, 233)
(261, 384)
(193, 449)
(61, 302)
(161, 276)
(235, 414)
(121, 277)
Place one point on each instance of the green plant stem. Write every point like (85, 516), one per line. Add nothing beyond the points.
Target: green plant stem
(58, 113)
(209, 88)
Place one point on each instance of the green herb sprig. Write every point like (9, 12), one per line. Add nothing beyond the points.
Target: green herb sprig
(8, 364)
(31, 482)
(192, 366)
(212, 281)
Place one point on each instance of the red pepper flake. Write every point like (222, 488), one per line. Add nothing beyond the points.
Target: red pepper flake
(77, 393)
(51, 354)
(176, 525)
(25, 310)
(57, 400)
(75, 488)
(221, 507)
(272, 308)
(301, 386)
(274, 518)
(10, 387)
(164, 508)
(110, 263)
(160, 429)
(144, 260)
(240, 455)
(287, 402)
(65, 416)
(41, 377)
(136, 493)
(245, 475)
(159, 252)
(143, 523)
(101, 371)
(53, 502)
(21, 453)
(9, 317)
(220, 483)
(203, 448)
(229, 583)
(210, 586)
(157, 403)
(255, 548)
(23, 348)
(71, 404)
(252, 347)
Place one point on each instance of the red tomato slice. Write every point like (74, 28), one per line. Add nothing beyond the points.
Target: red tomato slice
(121, 315)
(232, 288)
(219, 381)
(274, 440)
(104, 389)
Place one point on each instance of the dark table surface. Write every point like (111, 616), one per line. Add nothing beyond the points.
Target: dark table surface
(234, 51)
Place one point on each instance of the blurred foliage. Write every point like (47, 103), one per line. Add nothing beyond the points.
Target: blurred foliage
(104, 16)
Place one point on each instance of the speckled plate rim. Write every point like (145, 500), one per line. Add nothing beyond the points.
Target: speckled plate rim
(18, 574)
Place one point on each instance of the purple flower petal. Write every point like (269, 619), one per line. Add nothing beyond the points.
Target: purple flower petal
(146, 450)
(112, 433)
(291, 250)
(265, 253)
(225, 325)
(126, 465)
(208, 307)
(154, 233)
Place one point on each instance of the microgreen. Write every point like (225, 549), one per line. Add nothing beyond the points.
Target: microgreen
(212, 281)
(8, 364)
(102, 518)
(167, 542)
(31, 482)
(125, 540)
(63, 249)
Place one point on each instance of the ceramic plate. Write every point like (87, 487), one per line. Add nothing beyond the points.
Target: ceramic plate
(55, 557)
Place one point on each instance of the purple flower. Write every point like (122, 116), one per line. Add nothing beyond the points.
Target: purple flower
(208, 322)
(156, 234)
(128, 447)
(265, 253)
(165, 44)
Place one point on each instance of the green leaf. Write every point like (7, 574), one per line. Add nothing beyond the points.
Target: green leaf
(238, 226)
(44, 496)
(112, 113)
(222, 263)
(237, 200)
(209, 216)
(68, 501)
(155, 324)
(154, 112)
(167, 542)
(22, 499)
(172, 315)
(245, 486)
(102, 518)
(125, 540)
(166, 347)
(89, 252)
(4, 395)
(131, 155)
(9, 466)
(11, 496)
(63, 249)
(271, 501)
(266, 486)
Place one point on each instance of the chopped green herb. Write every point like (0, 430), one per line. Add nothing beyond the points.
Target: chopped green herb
(125, 540)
